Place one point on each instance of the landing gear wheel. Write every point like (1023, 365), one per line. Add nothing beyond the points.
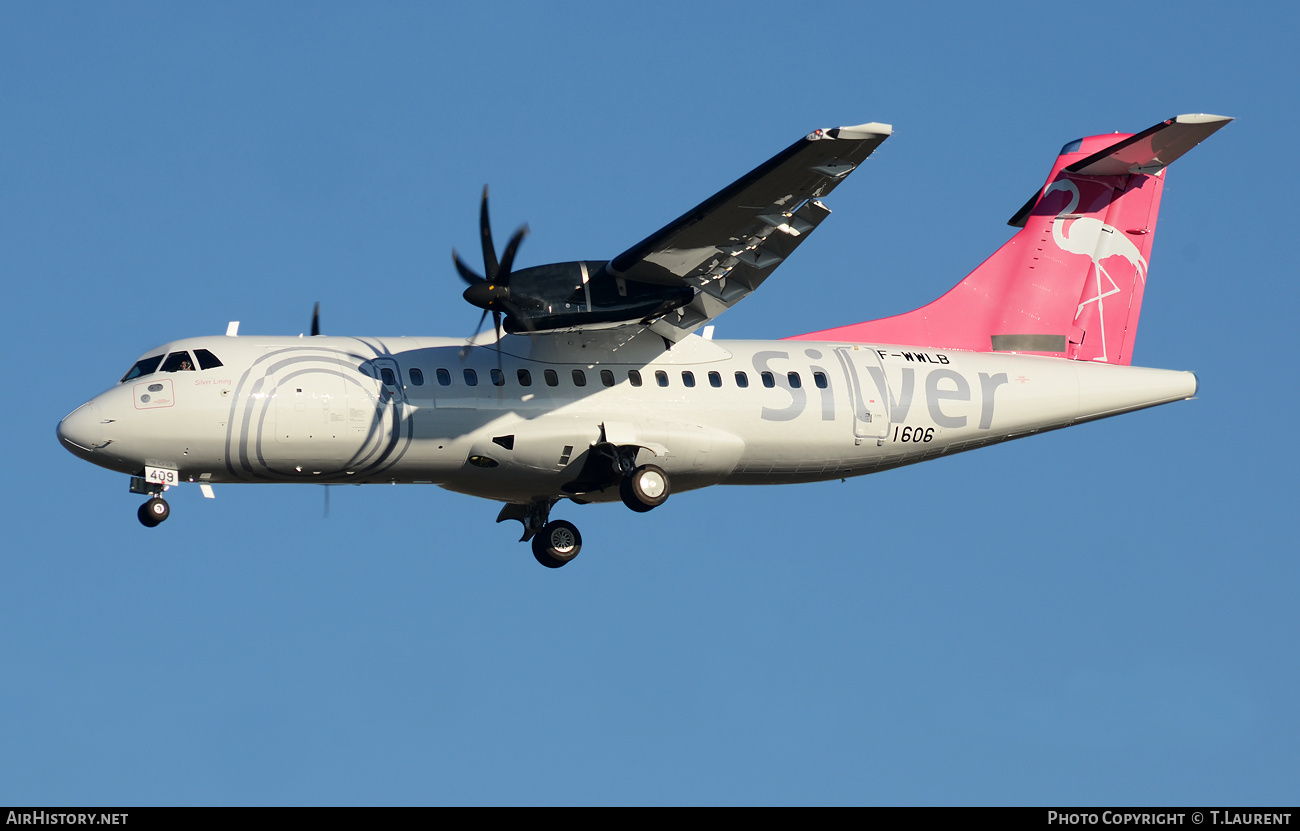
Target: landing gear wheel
(646, 488)
(153, 512)
(557, 544)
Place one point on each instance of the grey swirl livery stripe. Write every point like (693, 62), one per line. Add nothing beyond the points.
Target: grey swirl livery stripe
(380, 432)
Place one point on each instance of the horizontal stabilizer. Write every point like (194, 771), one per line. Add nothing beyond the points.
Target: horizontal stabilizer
(1147, 152)
(1152, 149)
(1070, 283)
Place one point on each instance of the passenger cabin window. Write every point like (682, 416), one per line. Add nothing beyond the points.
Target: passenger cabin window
(715, 380)
(444, 377)
(144, 366)
(793, 378)
(634, 377)
(389, 379)
(742, 380)
(661, 377)
(178, 362)
(579, 378)
(819, 378)
(498, 378)
(552, 379)
(206, 359)
(688, 378)
(471, 377)
(417, 377)
(607, 377)
(769, 380)
(525, 378)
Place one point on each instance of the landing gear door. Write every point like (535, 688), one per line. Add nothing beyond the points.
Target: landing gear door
(867, 391)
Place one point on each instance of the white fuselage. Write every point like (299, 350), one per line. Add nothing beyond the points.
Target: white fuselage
(428, 410)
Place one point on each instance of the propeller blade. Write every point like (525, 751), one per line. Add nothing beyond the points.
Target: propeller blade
(508, 258)
(466, 273)
(519, 317)
(470, 341)
(485, 234)
(491, 291)
(315, 320)
(496, 330)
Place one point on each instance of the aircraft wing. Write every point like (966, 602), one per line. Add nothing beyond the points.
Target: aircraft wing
(726, 246)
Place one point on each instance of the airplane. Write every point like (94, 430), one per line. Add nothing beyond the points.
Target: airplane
(600, 380)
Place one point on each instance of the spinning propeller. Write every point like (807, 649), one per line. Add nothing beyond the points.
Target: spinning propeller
(491, 291)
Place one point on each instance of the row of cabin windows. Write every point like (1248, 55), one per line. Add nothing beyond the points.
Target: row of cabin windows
(552, 378)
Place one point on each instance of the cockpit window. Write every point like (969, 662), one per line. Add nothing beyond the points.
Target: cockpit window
(144, 366)
(206, 359)
(178, 362)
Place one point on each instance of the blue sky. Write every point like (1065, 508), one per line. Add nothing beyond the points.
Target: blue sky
(1099, 615)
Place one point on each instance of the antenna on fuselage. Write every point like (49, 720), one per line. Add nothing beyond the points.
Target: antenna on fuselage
(315, 320)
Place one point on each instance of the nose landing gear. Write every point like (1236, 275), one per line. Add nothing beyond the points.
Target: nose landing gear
(153, 512)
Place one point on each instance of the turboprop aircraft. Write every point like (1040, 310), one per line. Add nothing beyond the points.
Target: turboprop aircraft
(597, 385)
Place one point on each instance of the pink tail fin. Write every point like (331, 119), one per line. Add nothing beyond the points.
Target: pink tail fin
(1070, 283)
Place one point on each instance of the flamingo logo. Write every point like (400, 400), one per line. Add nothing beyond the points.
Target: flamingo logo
(1097, 241)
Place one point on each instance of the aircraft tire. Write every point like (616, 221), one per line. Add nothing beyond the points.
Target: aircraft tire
(143, 515)
(647, 488)
(557, 544)
(153, 512)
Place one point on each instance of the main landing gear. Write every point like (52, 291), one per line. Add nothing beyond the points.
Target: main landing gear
(645, 488)
(556, 542)
(155, 510)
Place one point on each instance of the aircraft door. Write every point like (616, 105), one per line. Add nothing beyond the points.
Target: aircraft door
(867, 392)
(389, 377)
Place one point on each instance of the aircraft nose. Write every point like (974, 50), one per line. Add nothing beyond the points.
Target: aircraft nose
(82, 431)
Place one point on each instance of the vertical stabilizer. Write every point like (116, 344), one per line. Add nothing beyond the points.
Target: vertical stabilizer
(1070, 283)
